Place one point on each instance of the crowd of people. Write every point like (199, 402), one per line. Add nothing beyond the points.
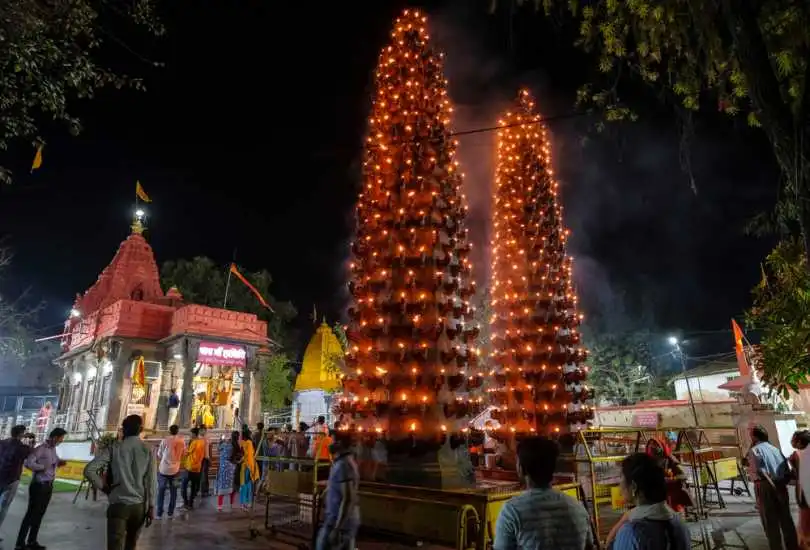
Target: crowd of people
(129, 470)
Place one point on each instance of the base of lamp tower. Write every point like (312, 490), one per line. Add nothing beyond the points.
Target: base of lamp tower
(445, 468)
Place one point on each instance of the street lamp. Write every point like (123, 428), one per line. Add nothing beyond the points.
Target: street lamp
(673, 341)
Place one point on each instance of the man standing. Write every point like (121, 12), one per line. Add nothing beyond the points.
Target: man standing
(174, 406)
(342, 509)
(170, 454)
(43, 463)
(128, 480)
(541, 517)
(770, 471)
(13, 453)
(316, 434)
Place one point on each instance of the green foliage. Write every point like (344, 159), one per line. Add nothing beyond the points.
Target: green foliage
(23, 361)
(334, 360)
(277, 381)
(744, 57)
(202, 281)
(623, 369)
(781, 312)
(48, 55)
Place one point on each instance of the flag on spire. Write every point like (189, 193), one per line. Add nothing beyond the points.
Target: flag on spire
(140, 193)
(252, 288)
(742, 360)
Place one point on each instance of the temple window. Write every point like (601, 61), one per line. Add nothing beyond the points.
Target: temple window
(137, 294)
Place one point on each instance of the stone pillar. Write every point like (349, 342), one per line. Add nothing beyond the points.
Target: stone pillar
(191, 346)
(122, 364)
(247, 409)
(166, 384)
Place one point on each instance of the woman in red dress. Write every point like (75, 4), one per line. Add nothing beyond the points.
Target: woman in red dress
(677, 497)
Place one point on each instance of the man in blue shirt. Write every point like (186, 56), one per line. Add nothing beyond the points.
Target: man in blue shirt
(769, 470)
(342, 510)
(43, 462)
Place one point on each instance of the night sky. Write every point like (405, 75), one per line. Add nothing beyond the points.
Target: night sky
(250, 138)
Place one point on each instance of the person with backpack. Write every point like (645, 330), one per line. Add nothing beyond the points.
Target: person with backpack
(770, 471)
(125, 472)
(651, 524)
(230, 456)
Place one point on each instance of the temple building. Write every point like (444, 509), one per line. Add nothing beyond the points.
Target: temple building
(127, 345)
(318, 379)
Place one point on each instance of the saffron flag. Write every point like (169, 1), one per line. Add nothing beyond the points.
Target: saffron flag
(37, 159)
(140, 193)
(139, 380)
(742, 361)
(250, 287)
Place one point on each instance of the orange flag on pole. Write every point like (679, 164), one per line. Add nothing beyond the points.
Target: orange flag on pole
(742, 361)
(250, 287)
(37, 163)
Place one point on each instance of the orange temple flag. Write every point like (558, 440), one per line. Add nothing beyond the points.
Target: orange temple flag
(742, 361)
(251, 287)
(139, 380)
(140, 193)
(37, 159)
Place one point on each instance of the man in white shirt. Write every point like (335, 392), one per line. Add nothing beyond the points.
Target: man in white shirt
(170, 454)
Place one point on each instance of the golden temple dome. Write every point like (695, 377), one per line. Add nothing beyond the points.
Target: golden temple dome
(315, 372)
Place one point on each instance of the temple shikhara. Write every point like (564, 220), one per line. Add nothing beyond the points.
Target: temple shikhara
(318, 379)
(128, 344)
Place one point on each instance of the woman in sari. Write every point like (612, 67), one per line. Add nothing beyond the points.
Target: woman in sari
(248, 470)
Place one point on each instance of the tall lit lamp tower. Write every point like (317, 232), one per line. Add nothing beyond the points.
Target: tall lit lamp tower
(540, 375)
(412, 361)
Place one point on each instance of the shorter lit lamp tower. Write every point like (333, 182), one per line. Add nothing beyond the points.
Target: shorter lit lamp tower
(673, 341)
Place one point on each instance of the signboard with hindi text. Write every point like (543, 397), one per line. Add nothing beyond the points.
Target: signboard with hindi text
(221, 355)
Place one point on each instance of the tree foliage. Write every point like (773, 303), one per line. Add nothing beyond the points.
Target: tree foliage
(781, 312)
(277, 381)
(202, 281)
(23, 362)
(49, 55)
(335, 360)
(623, 369)
(747, 57)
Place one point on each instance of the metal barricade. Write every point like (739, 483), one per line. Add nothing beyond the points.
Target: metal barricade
(293, 489)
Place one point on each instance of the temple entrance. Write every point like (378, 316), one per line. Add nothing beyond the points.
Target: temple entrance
(217, 394)
(217, 386)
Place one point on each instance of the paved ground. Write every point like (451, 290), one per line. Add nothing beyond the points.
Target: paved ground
(81, 526)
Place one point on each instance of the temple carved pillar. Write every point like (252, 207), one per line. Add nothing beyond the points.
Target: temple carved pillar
(191, 346)
(167, 382)
(121, 359)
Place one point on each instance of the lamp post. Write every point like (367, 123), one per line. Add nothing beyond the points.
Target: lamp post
(673, 341)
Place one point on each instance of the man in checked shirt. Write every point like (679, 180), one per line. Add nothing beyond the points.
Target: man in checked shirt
(43, 463)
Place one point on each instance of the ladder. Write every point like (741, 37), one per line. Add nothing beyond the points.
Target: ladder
(95, 437)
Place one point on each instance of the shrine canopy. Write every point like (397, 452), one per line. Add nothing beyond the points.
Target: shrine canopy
(316, 373)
